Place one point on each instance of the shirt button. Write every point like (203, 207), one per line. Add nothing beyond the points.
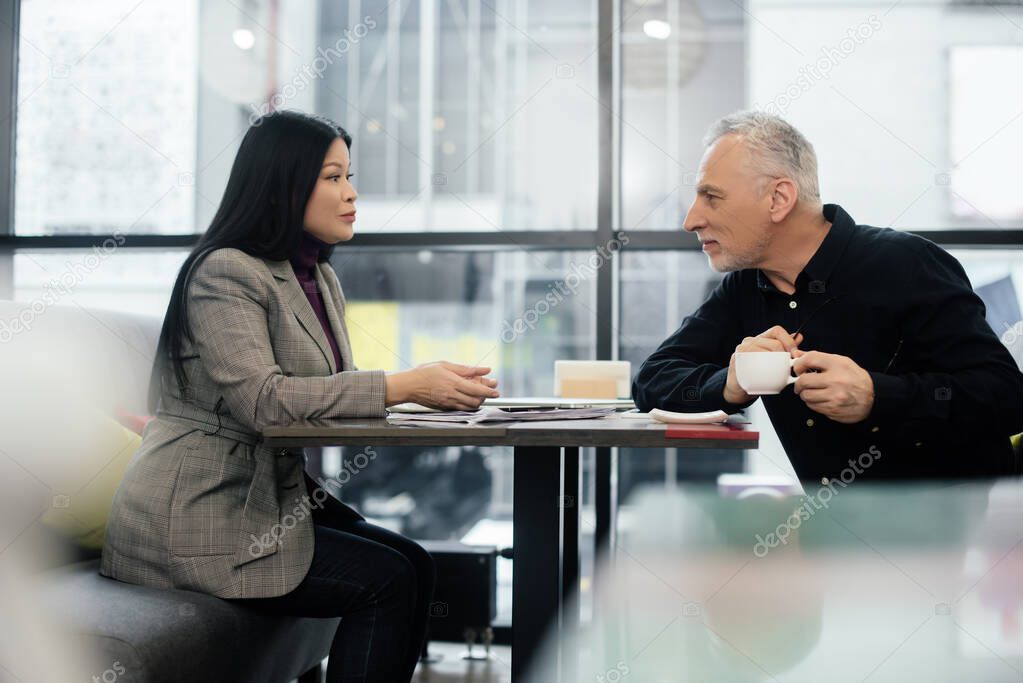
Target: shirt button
(809, 422)
(792, 304)
(825, 481)
(875, 429)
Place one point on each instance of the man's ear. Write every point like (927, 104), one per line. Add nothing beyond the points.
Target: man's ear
(784, 195)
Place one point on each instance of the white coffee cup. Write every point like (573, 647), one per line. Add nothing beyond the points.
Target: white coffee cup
(762, 373)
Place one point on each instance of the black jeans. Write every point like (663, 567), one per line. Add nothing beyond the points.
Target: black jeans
(379, 583)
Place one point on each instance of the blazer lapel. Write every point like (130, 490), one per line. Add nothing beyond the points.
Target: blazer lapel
(335, 313)
(296, 299)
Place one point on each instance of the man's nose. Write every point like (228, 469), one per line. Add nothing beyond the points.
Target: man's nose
(693, 220)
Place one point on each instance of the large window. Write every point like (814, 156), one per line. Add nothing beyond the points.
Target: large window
(983, 136)
(907, 104)
(466, 116)
(132, 281)
(514, 311)
(107, 112)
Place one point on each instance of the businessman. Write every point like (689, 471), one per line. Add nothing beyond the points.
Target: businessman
(892, 351)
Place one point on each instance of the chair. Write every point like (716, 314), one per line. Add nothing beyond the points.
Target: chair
(62, 358)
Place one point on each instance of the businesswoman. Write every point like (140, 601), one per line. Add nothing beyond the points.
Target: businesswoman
(255, 336)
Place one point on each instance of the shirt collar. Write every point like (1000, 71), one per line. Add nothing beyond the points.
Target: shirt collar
(822, 264)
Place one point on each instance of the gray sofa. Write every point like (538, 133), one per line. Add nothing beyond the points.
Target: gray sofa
(68, 359)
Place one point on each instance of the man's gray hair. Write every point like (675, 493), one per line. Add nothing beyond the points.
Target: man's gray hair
(775, 147)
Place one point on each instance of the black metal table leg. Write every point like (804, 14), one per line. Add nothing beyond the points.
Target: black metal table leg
(536, 582)
(603, 497)
(570, 506)
(571, 498)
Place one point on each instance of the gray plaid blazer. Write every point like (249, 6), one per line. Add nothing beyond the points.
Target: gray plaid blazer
(204, 505)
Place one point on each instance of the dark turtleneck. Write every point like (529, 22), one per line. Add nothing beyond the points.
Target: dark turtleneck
(303, 262)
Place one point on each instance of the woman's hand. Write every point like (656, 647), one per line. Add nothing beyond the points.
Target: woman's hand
(442, 385)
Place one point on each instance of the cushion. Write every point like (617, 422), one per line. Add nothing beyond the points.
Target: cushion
(81, 515)
(136, 423)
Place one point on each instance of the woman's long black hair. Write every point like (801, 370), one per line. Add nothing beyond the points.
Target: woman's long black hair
(262, 214)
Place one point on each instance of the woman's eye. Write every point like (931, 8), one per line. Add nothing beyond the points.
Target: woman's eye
(334, 178)
(350, 176)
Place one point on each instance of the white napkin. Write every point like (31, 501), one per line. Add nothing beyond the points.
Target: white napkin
(712, 417)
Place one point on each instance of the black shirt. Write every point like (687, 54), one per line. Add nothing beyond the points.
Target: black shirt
(947, 393)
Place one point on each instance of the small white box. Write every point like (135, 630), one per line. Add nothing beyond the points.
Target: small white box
(595, 378)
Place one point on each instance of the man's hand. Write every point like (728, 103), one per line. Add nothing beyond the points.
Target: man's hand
(839, 388)
(774, 339)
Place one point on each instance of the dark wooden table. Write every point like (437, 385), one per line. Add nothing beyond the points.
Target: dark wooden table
(545, 513)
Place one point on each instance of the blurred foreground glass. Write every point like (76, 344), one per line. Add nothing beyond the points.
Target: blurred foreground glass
(886, 583)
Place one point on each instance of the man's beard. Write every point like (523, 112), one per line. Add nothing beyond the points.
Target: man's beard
(750, 257)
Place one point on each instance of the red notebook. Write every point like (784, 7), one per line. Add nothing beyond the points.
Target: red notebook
(738, 431)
